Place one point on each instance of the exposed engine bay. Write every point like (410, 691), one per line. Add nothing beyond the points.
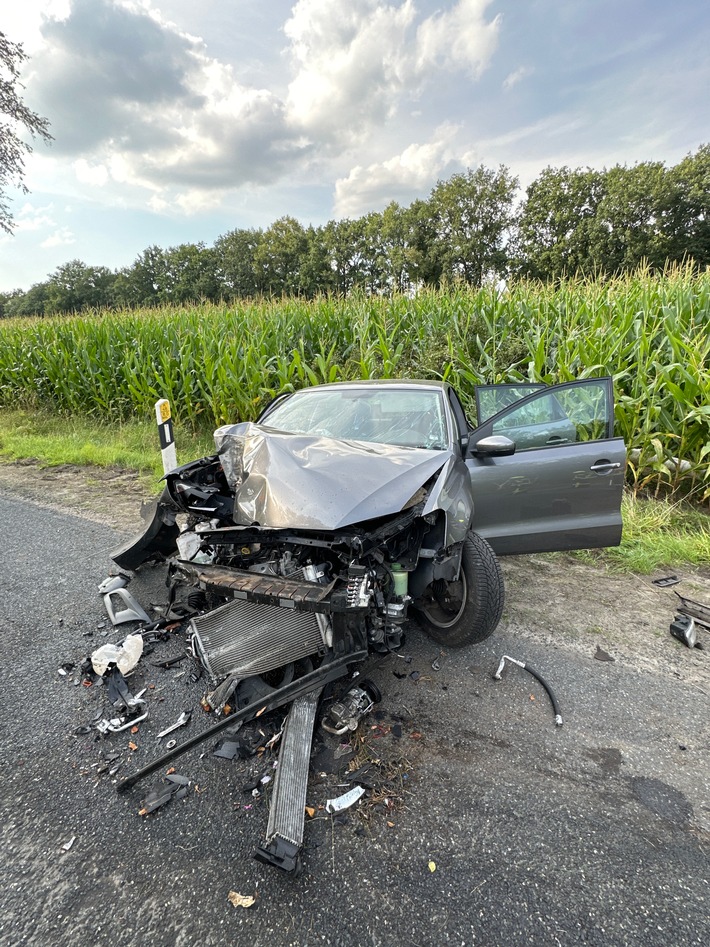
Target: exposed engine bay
(267, 596)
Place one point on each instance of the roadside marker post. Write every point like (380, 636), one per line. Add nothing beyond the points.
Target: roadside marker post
(165, 432)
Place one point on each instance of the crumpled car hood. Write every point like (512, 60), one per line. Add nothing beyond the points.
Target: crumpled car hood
(303, 482)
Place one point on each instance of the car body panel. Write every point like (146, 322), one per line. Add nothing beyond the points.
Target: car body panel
(294, 481)
(562, 487)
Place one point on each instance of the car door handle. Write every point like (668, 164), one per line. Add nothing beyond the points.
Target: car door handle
(556, 439)
(602, 466)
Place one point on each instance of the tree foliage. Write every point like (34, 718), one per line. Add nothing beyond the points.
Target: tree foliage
(15, 117)
(571, 221)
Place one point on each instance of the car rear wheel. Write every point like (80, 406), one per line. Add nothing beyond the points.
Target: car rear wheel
(466, 611)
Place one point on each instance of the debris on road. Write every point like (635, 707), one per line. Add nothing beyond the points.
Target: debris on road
(666, 581)
(115, 586)
(181, 721)
(345, 714)
(343, 802)
(538, 677)
(241, 900)
(695, 610)
(173, 787)
(125, 656)
(683, 629)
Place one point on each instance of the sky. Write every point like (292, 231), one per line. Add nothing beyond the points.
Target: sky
(177, 121)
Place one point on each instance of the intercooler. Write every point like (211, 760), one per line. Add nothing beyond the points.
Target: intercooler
(246, 638)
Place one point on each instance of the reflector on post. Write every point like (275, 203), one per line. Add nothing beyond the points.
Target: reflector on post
(165, 432)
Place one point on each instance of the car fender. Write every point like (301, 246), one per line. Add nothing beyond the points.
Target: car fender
(452, 494)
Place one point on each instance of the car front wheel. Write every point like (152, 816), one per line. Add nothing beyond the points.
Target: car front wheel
(466, 611)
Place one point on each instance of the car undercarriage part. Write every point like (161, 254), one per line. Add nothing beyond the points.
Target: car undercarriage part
(328, 671)
(346, 713)
(538, 677)
(115, 585)
(284, 831)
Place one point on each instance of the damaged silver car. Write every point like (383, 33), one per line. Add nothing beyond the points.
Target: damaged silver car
(347, 508)
(306, 541)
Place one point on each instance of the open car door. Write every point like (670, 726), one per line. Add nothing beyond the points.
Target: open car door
(562, 487)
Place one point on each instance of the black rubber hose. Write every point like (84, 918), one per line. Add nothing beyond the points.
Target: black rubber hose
(555, 705)
(538, 677)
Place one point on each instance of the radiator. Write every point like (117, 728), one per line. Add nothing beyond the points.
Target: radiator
(247, 638)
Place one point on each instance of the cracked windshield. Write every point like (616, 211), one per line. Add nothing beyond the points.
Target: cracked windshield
(393, 416)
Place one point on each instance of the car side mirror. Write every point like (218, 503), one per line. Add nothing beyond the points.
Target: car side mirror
(496, 445)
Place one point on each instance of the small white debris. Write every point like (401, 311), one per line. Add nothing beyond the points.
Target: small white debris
(345, 801)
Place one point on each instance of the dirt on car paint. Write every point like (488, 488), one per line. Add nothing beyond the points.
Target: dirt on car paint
(555, 598)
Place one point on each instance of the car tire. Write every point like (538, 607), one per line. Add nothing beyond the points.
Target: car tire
(467, 611)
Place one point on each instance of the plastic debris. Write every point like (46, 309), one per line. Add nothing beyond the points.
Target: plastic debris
(67, 845)
(432, 867)
(665, 581)
(345, 801)
(173, 786)
(683, 628)
(602, 655)
(125, 656)
(696, 610)
(241, 900)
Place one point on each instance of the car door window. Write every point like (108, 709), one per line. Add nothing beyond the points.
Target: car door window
(490, 399)
(564, 415)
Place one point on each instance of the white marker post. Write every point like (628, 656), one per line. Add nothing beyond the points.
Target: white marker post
(165, 432)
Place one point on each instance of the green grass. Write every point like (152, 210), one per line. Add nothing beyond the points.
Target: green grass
(658, 533)
(133, 445)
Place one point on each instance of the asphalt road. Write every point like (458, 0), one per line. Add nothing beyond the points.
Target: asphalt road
(594, 833)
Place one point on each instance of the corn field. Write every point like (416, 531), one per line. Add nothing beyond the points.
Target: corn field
(218, 363)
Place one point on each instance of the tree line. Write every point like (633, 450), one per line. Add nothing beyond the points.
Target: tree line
(473, 228)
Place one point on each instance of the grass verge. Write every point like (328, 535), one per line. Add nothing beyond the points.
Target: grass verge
(657, 533)
(133, 445)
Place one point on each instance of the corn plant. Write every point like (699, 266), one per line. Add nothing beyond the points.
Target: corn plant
(220, 364)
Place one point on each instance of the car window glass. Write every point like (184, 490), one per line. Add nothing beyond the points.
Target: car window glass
(402, 417)
(561, 416)
(490, 399)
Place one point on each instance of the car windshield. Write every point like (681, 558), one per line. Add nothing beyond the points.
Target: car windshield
(402, 417)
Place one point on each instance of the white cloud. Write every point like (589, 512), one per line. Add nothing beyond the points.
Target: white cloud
(350, 62)
(31, 219)
(94, 175)
(135, 101)
(459, 37)
(401, 177)
(513, 78)
(60, 238)
(354, 65)
(142, 110)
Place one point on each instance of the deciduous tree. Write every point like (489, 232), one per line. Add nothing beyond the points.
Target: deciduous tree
(15, 117)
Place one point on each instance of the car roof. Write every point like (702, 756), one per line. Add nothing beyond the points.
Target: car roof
(381, 383)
